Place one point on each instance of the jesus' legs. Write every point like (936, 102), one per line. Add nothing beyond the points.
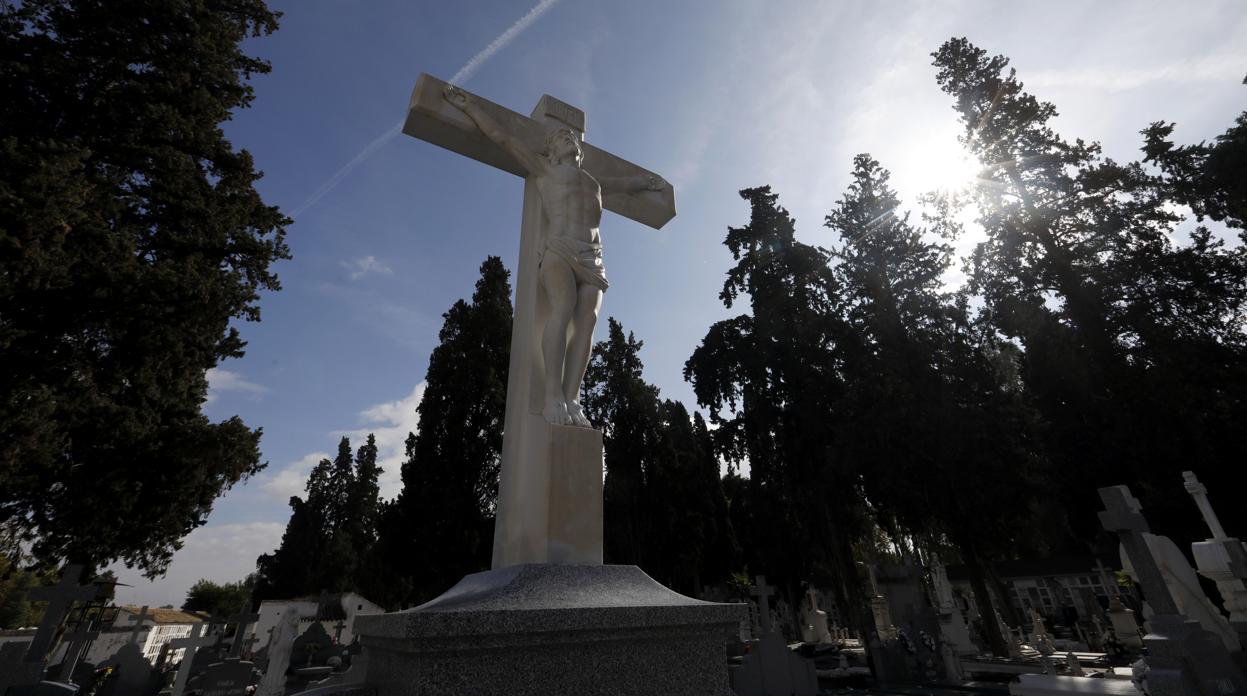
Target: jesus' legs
(559, 284)
(585, 316)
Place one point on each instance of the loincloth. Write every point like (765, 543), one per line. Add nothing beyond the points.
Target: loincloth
(584, 258)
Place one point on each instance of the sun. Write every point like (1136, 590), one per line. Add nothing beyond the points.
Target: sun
(944, 167)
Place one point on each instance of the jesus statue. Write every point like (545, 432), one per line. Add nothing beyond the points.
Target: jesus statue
(571, 274)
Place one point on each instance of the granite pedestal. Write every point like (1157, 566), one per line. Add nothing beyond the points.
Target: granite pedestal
(545, 630)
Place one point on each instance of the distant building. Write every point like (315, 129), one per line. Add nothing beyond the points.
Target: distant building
(159, 627)
(1062, 589)
(336, 612)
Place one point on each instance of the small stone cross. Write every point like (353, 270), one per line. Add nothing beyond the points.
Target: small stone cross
(78, 642)
(138, 625)
(763, 592)
(1199, 492)
(242, 622)
(60, 598)
(192, 643)
(1123, 515)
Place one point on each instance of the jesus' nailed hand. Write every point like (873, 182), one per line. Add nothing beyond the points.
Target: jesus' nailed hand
(571, 271)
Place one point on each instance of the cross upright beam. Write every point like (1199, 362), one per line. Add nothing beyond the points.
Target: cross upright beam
(1123, 515)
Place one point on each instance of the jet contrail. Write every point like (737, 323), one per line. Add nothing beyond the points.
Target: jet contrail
(501, 42)
(465, 73)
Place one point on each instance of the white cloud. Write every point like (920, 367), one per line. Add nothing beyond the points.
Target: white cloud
(390, 422)
(221, 553)
(292, 479)
(366, 265)
(1225, 67)
(220, 380)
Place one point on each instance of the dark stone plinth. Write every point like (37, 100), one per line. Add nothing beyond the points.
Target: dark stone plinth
(544, 630)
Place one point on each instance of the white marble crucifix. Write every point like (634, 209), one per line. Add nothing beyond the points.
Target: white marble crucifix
(549, 506)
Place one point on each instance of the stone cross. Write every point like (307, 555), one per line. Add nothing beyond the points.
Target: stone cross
(78, 642)
(547, 511)
(763, 592)
(60, 598)
(1222, 559)
(192, 643)
(138, 625)
(242, 623)
(1123, 516)
(1199, 492)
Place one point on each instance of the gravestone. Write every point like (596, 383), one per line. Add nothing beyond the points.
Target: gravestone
(60, 599)
(770, 668)
(1184, 587)
(14, 669)
(76, 645)
(243, 621)
(277, 653)
(132, 674)
(231, 677)
(549, 617)
(952, 624)
(313, 648)
(814, 628)
(1222, 559)
(1125, 625)
(191, 644)
(1183, 659)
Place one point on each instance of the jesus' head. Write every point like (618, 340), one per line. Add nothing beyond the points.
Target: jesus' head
(563, 143)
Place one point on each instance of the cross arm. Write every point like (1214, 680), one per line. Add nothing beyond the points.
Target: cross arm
(430, 117)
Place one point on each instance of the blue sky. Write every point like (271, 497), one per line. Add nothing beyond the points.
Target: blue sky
(715, 95)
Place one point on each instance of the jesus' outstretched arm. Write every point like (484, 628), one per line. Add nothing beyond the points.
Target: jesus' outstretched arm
(531, 161)
(631, 184)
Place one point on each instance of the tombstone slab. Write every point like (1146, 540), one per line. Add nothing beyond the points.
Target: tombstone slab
(229, 678)
(536, 629)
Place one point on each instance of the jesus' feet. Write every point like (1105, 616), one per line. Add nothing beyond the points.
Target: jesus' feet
(577, 415)
(556, 413)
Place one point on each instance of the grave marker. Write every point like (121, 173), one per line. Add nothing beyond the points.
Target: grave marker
(192, 644)
(60, 598)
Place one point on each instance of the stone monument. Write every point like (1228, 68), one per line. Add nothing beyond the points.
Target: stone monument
(549, 617)
(1222, 559)
(1183, 658)
(814, 627)
(952, 624)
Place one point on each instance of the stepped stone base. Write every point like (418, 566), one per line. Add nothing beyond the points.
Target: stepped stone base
(546, 630)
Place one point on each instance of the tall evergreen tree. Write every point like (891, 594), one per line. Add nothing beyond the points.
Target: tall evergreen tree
(331, 534)
(663, 503)
(440, 527)
(131, 238)
(620, 403)
(770, 380)
(926, 408)
(1133, 349)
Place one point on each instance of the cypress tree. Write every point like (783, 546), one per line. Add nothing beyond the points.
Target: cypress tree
(131, 237)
